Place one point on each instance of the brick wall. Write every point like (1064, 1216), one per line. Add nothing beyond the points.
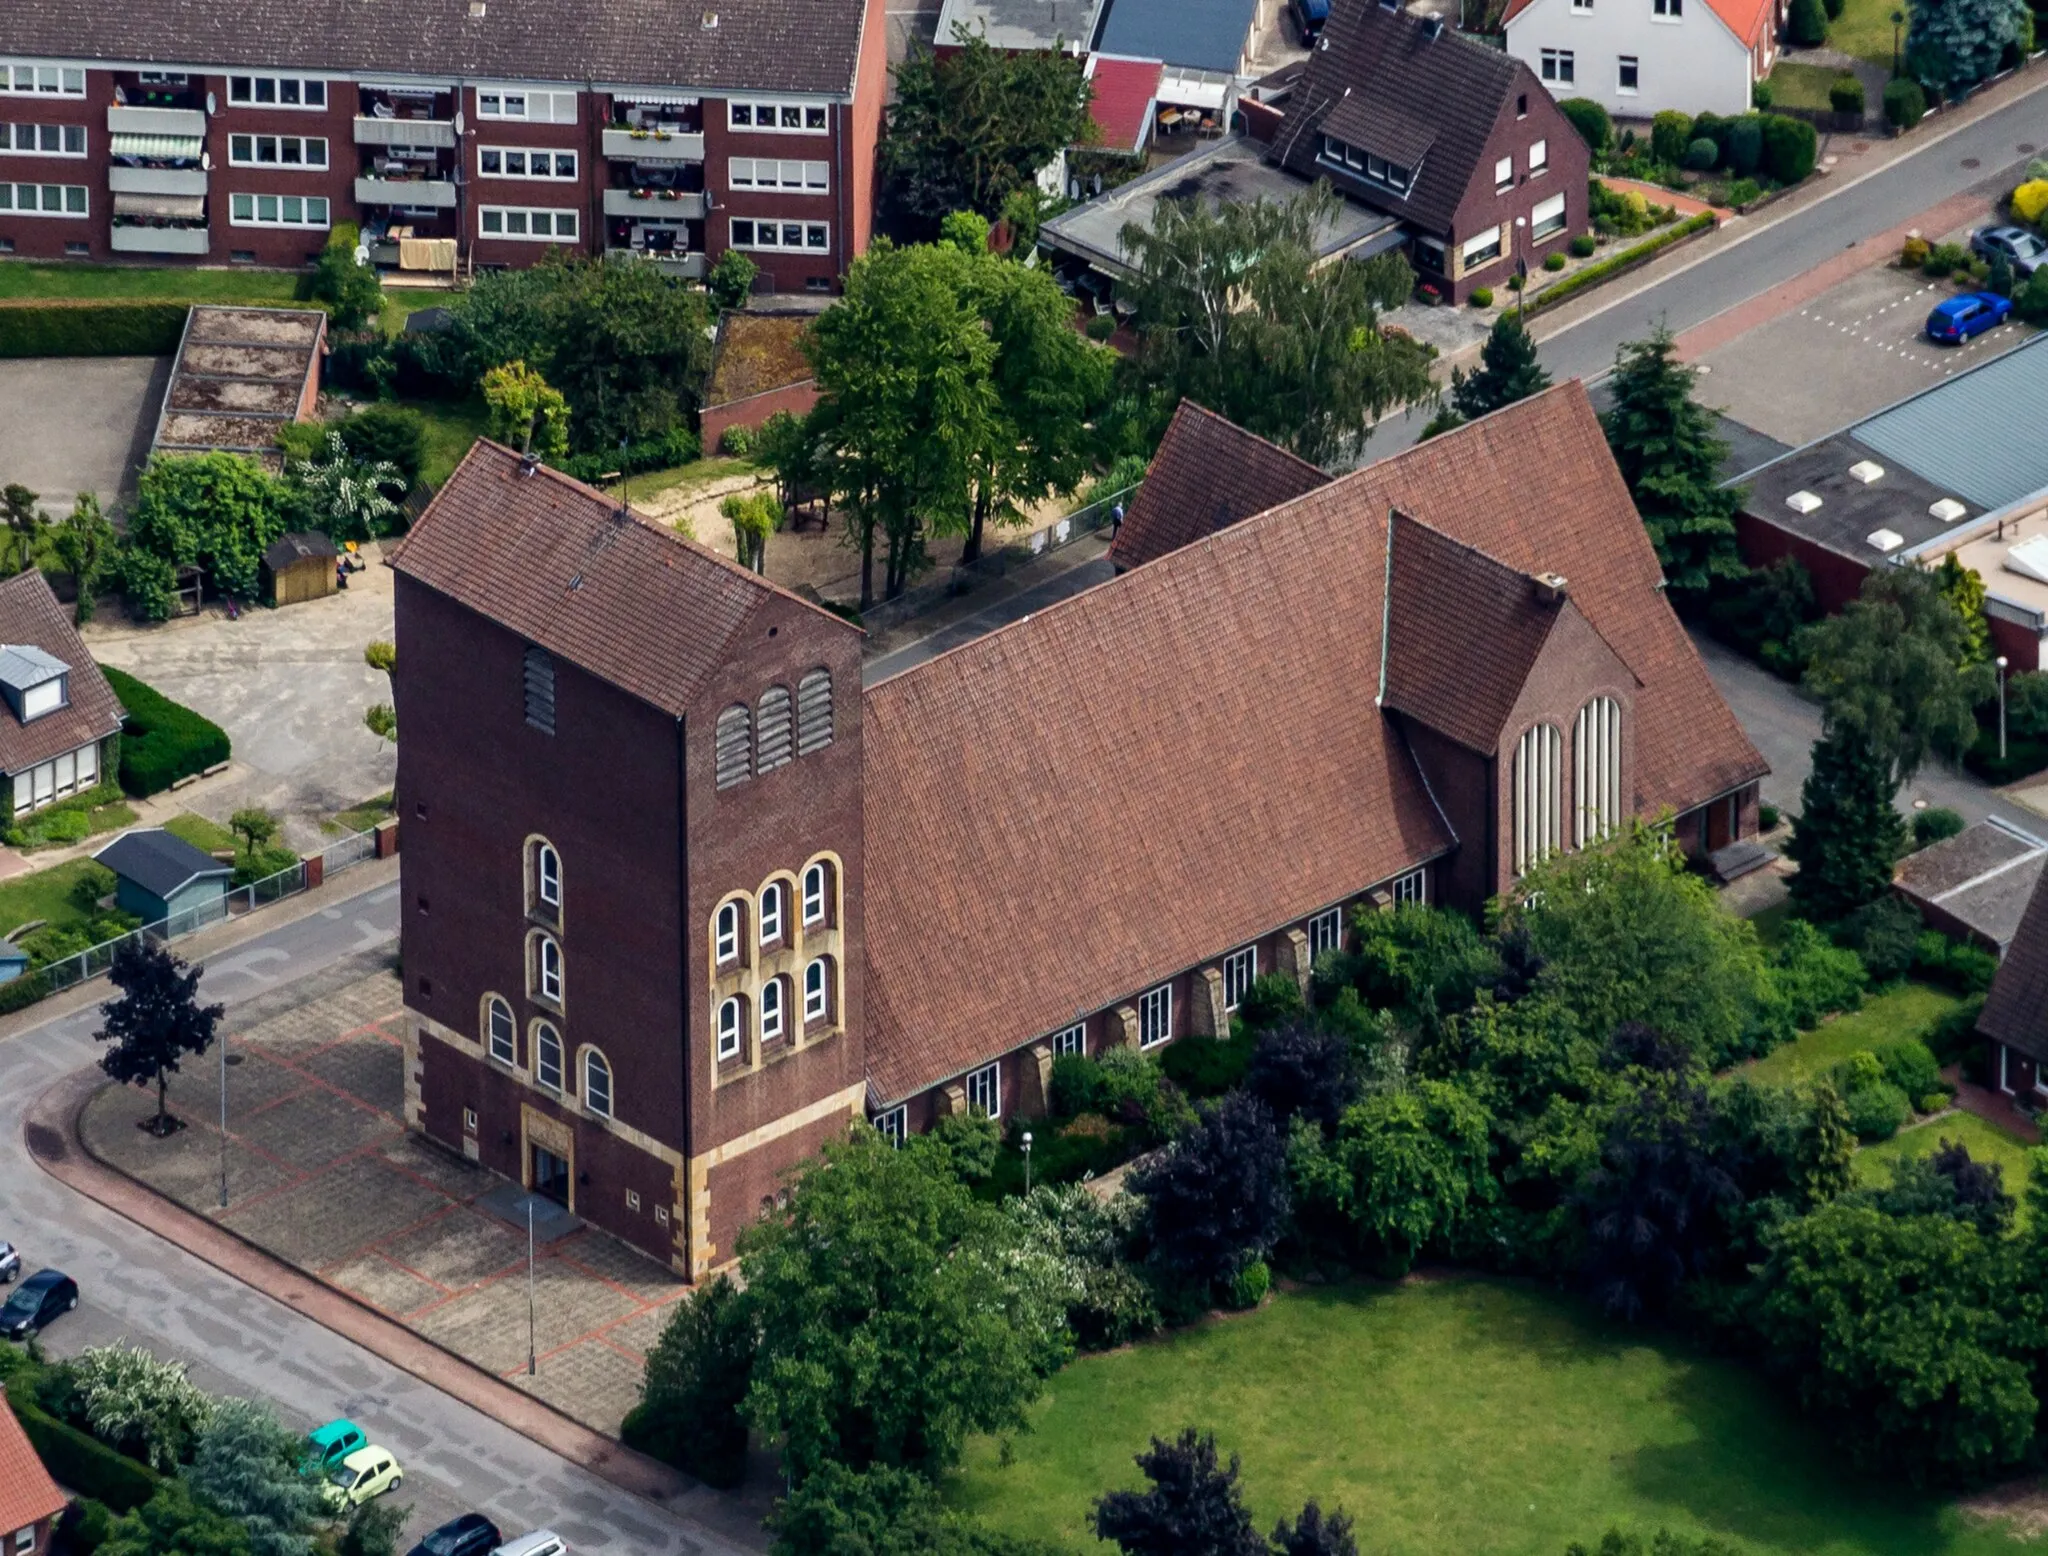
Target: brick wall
(797, 399)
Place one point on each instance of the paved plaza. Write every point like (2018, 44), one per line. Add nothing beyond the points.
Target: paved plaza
(322, 1174)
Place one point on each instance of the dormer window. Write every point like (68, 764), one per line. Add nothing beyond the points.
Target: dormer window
(34, 683)
(1363, 164)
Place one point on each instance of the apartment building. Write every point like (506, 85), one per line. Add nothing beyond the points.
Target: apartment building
(478, 132)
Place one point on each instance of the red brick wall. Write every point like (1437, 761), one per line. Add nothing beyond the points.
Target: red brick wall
(537, 193)
(783, 272)
(1464, 785)
(284, 246)
(44, 237)
(863, 130)
(738, 1187)
(1566, 173)
(755, 409)
(2021, 645)
(1836, 579)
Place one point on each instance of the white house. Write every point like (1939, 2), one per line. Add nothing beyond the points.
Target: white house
(1639, 57)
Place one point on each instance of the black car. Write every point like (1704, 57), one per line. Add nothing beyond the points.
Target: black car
(36, 1301)
(470, 1535)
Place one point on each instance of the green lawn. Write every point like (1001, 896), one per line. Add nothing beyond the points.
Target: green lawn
(1462, 1416)
(452, 425)
(45, 894)
(1909, 1010)
(26, 278)
(358, 818)
(1987, 1143)
(700, 472)
(1864, 29)
(204, 834)
(1802, 86)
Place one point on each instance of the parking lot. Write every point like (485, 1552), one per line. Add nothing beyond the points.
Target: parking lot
(78, 424)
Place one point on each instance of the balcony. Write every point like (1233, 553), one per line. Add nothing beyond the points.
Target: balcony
(373, 130)
(687, 267)
(436, 194)
(655, 204)
(123, 120)
(157, 180)
(160, 240)
(630, 145)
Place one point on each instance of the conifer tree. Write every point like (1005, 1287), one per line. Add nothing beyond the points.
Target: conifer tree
(1508, 371)
(1847, 835)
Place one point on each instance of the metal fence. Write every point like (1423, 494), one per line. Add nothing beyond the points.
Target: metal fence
(289, 882)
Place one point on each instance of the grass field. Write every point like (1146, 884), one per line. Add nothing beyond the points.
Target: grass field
(1906, 1011)
(202, 833)
(1802, 86)
(25, 278)
(1986, 1142)
(1462, 1416)
(452, 425)
(44, 894)
(1864, 29)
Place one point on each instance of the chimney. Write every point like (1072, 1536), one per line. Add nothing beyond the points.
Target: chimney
(1551, 588)
(1433, 27)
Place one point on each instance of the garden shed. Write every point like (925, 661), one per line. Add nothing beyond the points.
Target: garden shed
(161, 876)
(299, 567)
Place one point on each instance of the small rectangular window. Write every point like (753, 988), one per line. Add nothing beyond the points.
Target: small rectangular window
(1070, 1040)
(1629, 74)
(893, 1125)
(1412, 887)
(539, 681)
(1155, 1016)
(1239, 969)
(1503, 174)
(1325, 930)
(1539, 156)
(985, 1090)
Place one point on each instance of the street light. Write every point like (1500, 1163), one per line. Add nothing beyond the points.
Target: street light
(2001, 707)
(1027, 1161)
(529, 1286)
(1898, 21)
(225, 1061)
(1521, 270)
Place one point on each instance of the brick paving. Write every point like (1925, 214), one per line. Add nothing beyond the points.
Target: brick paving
(322, 1174)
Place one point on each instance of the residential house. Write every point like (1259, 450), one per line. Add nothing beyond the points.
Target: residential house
(455, 132)
(1637, 58)
(1975, 886)
(30, 1500)
(2015, 1014)
(834, 903)
(61, 724)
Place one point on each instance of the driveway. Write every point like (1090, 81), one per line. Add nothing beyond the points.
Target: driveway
(78, 424)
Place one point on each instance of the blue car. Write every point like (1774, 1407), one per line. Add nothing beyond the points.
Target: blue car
(1309, 16)
(1956, 320)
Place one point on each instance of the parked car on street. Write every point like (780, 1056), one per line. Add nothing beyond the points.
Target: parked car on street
(10, 1263)
(1956, 320)
(366, 1473)
(1309, 16)
(36, 1301)
(542, 1542)
(2025, 251)
(336, 1441)
(470, 1535)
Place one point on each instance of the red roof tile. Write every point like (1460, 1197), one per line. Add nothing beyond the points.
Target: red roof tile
(27, 1493)
(1208, 473)
(1124, 93)
(30, 614)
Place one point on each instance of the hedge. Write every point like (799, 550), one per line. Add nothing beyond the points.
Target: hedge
(1558, 291)
(84, 1463)
(22, 992)
(164, 740)
(88, 328)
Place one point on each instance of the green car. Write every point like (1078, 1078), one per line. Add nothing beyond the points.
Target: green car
(336, 1441)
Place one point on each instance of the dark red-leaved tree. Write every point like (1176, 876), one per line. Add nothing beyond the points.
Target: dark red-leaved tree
(157, 1020)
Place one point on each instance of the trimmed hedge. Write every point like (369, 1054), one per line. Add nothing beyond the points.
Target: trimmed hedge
(86, 328)
(164, 740)
(23, 992)
(1558, 291)
(84, 1463)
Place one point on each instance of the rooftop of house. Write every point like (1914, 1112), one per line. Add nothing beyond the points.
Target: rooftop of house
(28, 1494)
(1125, 93)
(38, 633)
(757, 352)
(1235, 476)
(1022, 24)
(807, 46)
(2016, 1010)
(1749, 20)
(160, 862)
(1200, 34)
(1983, 877)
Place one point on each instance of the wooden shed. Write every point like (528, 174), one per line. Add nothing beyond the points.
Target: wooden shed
(298, 567)
(158, 876)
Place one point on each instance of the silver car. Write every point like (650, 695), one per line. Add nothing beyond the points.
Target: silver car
(10, 1263)
(2023, 250)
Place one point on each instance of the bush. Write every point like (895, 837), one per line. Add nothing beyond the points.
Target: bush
(1967, 969)
(1931, 826)
(738, 441)
(1814, 977)
(1559, 290)
(23, 992)
(1845, 92)
(397, 433)
(678, 446)
(1670, 131)
(84, 1526)
(1207, 1066)
(2030, 200)
(350, 292)
(1877, 1111)
(1595, 128)
(697, 1377)
(1905, 104)
(1701, 155)
(1913, 253)
(1744, 193)
(1763, 94)
(1807, 25)
(1745, 150)
(1885, 933)
(1790, 146)
(1954, 1036)
(1101, 327)
(1767, 817)
(1944, 259)
(1250, 1285)
(1553, 261)
(90, 329)
(162, 741)
(1481, 297)
(82, 1462)
(1582, 245)
(1911, 1067)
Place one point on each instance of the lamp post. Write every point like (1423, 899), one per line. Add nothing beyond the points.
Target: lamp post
(223, 1123)
(1027, 1161)
(529, 1286)
(2001, 707)
(1898, 21)
(1521, 270)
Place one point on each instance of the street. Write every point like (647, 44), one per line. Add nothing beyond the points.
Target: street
(235, 1339)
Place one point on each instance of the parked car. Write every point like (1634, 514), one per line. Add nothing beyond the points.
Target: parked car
(542, 1542)
(366, 1473)
(2025, 251)
(1309, 16)
(10, 1263)
(470, 1535)
(336, 1441)
(1962, 317)
(36, 1301)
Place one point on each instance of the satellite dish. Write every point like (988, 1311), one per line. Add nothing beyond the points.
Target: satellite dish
(362, 253)
(212, 106)
(458, 122)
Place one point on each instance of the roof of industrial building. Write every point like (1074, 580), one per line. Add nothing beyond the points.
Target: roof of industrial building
(1978, 434)
(1202, 34)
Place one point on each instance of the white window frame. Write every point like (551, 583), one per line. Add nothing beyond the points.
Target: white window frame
(73, 201)
(519, 103)
(1070, 1040)
(817, 1000)
(543, 1033)
(1535, 796)
(1240, 970)
(1325, 932)
(547, 968)
(26, 78)
(1412, 887)
(790, 177)
(314, 211)
(525, 216)
(745, 116)
(815, 882)
(1155, 1016)
(24, 1540)
(1481, 249)
(247, 92)
(1504, 173)
(1560, 65)
(1667, 10)
(506, 1052)
(893, 1125)
(804, 230)
(770, 914)
(1539, 157)
(774, 1011)
(985, 1090)
(245, 149)
(729, 1025)
(728, 924)
(529, 153)
(547, 875)
(36, 133)
(1624, 66)
(593, 1061)
(1542, 226)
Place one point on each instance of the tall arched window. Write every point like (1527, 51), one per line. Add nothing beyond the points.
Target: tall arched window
(814, 712)
(547, 968)
(597, 1083)
(734, 748)
(817, 991)
(547, 1056)
(772, 1014)
(1596, 764)
(1535, 795)
(773, 735)
(731, 927)
(732, 1016)
(498, 1031)
(771, 913)
(547, 879)
(817, 892)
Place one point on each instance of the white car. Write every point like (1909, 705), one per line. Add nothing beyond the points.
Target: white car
(10, 1263)
(542, 1542)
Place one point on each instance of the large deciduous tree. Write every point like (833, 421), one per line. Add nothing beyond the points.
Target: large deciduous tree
(215, 511)
(157, 1020)
(1413, 1162)
(1193, 1507)
(882, 1512)
(1670, 458)
(1217, 1199)
(695, 1381)
(971, 127)
(1238, 312)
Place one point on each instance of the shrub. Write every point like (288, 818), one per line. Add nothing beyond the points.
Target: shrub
(1967, 969)
(1101, 327)
(1559, 290)
(90, 329)
(350, 292)
(697, 1378)
(1583, 245)
(1913, 253)
(1744, 193)
(1807, 25)
(1931, 826)
(1207, 1066)
(1767, 817)
(1944, 259)
(2030, 200)
(1595, 128)
(1954, 1035)
(2030, 302)
(1905, 104)
(1553, 261)
(1814, 977)
(1250, 1285)
(678, 446)
(1790, 146)
(1701, 155)
(737, 440)
(1845, 92)
(1911, 1067)
(1885, 933)
(383, 431)
(1763, 94)
(1877, 1111)
(22, 993)
(1745, 150)
(162, 741)
(82, 1462)
(1670, 131)
(1481, 297)
(84, 1527)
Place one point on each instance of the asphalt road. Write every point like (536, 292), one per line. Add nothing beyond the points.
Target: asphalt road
(234, 1339)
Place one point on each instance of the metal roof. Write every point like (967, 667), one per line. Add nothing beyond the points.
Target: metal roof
(23, 665)
(1208, 34)
(1979, 434)
(160, 862)
(1022, 24)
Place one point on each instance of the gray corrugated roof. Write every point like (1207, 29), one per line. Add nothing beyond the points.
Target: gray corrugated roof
(159, 862)
(1201, 34)
(23, 665)
(1978, 435)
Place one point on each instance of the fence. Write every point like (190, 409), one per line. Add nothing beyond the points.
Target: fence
(288, 882)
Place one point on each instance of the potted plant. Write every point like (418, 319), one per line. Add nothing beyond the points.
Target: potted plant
(671, 194)
(639, 132)
(661, 134)
(643, 194)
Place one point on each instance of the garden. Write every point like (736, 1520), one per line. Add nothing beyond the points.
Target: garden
(1727, 161)
(1932, 51)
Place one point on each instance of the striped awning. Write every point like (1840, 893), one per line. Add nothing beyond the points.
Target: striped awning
(169, 207)
(163, 148)
(654, 99)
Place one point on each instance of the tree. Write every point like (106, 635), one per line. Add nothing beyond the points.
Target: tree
(249, 1467)
(1217, 1199)
(25, 520)
(1963, 588)
(1957, 43)
(881, 1512)
(381, 718)
(1807, 24)
(256, 828)
(1670, 458)
(349, 288)
(171, 1523)
(754, 518)
(1313, 1534)
(1847, 835)
(139, 1403)
(1591, 120)
(87, 548)
(217, 512)
(1194, 1506)
(1508, 371)
(157, 1020)
(372, 1529)
(892, 1317)
(1892, 671)
(526, 412)
(1237, 311)
(384, 433)
(731, 281)
(695, 1381)
(972, 127)
(1948, 1183)
(1413, 1163)
(787, 447)
(1301, 1070)
(345, 496)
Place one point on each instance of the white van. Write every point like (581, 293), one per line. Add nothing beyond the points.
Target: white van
(542, 1542)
